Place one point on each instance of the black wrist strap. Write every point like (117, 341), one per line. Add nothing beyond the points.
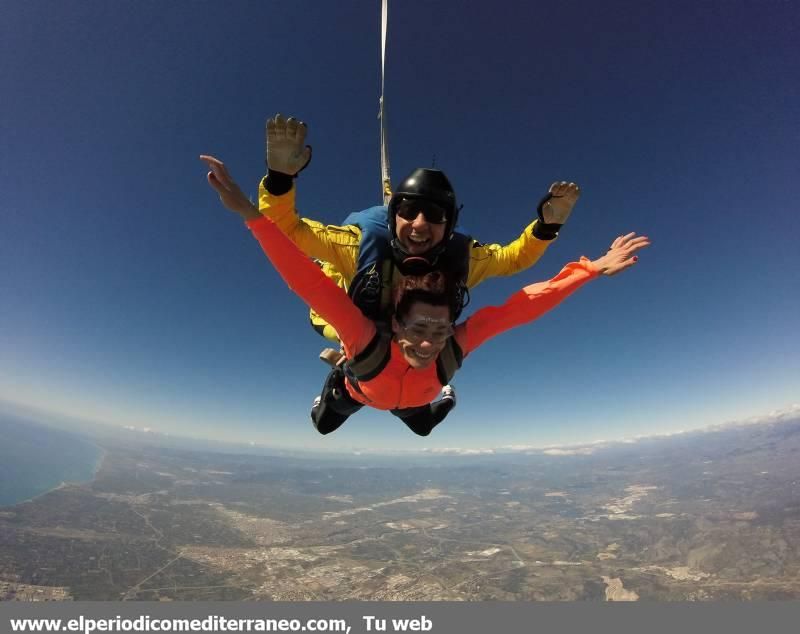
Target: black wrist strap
(277, 183)
(546, 231)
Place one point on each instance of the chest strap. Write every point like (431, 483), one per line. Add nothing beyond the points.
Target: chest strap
(371, 361)
(449, 361)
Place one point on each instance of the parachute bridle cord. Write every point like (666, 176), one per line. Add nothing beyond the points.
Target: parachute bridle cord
(386, 183)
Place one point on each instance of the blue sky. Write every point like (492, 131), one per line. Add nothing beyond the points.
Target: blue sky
(129, 295)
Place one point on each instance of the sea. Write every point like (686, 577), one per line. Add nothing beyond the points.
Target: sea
(35, 459)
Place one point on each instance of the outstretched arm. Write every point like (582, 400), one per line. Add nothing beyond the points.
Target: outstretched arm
(229, 192)
(300, 273)
(621, 254)
(287, 154)
(495, 260)
(337, 245)
(308, 281)
(533, 301)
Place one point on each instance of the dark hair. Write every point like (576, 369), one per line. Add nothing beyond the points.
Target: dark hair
(432, 288)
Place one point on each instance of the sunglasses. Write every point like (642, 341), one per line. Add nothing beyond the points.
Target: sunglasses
(410, 208)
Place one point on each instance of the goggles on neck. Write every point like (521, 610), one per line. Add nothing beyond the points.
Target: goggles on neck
(410, 208)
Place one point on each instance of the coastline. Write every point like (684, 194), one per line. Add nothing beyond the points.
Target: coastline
(98, 463)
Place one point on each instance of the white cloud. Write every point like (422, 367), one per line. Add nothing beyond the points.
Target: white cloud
(584, 449)
(579, 451)
(459, 451)
(792, 412)
(143, 430)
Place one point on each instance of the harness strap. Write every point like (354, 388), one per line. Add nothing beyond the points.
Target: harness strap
(386, 184)
(449, 361)
(371, 361)
(386, 303)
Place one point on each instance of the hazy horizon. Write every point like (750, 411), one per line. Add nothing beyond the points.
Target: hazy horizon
(60, 421)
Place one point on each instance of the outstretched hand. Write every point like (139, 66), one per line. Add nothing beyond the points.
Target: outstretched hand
(287, 151)
(621, 254)
(558, 204)
(229, 192)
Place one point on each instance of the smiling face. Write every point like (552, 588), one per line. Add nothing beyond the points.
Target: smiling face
(422, 333)
(418, 236)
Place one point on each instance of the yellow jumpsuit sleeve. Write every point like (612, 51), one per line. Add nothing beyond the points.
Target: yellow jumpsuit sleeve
(329, 243)
(491, 260)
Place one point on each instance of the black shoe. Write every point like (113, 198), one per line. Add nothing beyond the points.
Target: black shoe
(315, 409)
(449, 393)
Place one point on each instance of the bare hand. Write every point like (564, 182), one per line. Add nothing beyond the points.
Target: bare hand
(287, 151)
(229, 192)
(621, 254)
(563, 197)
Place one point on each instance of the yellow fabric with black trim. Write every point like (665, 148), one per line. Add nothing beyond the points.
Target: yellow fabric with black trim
(317, 322)
(337, 248)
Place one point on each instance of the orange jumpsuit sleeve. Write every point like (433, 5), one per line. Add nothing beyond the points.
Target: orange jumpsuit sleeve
(308, 281)
(524, 306)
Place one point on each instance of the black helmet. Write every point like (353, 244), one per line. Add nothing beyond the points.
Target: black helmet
(431, 185)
